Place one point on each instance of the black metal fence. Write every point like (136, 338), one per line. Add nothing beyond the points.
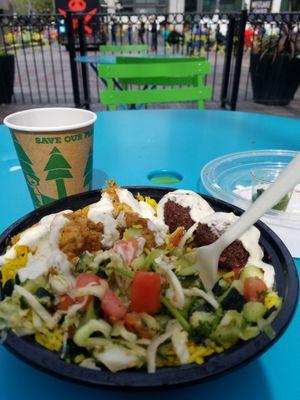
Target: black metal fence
(41, 70)
(185, 34)
(44, 50)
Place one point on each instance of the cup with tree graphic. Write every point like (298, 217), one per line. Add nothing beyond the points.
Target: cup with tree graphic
(55, 150)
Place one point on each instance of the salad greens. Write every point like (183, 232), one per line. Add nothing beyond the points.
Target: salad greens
(138, 302)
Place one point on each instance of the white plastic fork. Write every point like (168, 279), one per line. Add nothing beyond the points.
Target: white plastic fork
(208, 256)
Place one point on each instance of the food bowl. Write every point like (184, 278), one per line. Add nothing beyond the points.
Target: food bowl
(286, 285)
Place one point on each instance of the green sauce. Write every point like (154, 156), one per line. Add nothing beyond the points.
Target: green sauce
(165, 179)
(281, 206)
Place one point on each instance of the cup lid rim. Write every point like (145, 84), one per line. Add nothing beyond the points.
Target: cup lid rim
(25, 128)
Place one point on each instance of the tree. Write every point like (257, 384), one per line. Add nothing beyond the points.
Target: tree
(58, 170)
(33, 181)
(88, 172)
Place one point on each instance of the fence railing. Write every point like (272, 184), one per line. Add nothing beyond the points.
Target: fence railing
(184, 34)
(44, 48)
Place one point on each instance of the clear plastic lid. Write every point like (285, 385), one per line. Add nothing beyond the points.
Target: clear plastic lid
(229, 178)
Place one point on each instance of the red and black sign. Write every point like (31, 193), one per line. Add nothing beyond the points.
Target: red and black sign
(88, 7)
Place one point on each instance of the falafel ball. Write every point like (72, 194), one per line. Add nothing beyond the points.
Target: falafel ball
(176, 215)
(182, 208)
(234, 256)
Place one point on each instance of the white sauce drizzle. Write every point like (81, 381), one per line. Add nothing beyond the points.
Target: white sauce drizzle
(42, 238)
(160, 230)
(221, 221)
(104, 205)
(102, 212)
(186, 198)
(142, 208)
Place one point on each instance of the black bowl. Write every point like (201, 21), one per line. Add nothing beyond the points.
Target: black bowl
(286, 285)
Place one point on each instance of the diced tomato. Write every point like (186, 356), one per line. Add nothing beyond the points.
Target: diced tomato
(112, 306)
(176, 236)
(66, 301)
(145, 292)
(254, 288)
(84, 280)
(127, 248)
(133, 323)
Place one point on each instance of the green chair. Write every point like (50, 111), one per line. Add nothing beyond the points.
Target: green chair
(127, 48)
(188, 73)
(160, 81)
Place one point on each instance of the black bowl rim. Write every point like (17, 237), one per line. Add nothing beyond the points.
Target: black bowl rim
(235, 357)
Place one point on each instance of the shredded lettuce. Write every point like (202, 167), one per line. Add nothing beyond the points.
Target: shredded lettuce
(91, 290)
(12, 316)
(209, 297)
(36, 306)
(89, 363)
(152, 350)
(116, 357)
(165, 267)
(179, 340)
(120, 330)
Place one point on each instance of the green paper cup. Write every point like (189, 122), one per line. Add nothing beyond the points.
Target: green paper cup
(55, 150)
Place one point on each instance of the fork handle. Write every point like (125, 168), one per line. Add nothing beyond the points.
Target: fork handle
(283, 184)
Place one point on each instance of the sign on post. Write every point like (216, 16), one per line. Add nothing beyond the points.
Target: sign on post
(88, 7)
(263, 6)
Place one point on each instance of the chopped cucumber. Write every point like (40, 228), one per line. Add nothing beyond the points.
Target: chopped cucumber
(203, 324)
(132, 232)
(191, 257)
(162, 320)
(229, 328)
(86, 263)
(253, 311)
(42, 292)
(182, 264)
(149, 260)
(8, 287)
(33, 285)
(238, 285)
(199, 304)
(44, 296)
(72, 351)
(138, 263)
(220, 287)
(201, 316)
(89, 314)
(233, 300)
(249, 332)
(101, 272)
(189, 281)
(251, 272)
(187, 271)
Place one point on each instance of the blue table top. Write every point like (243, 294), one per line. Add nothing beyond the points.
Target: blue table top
(128, 146)
(111, 58)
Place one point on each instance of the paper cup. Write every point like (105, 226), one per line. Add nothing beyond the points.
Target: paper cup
(55, 150)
